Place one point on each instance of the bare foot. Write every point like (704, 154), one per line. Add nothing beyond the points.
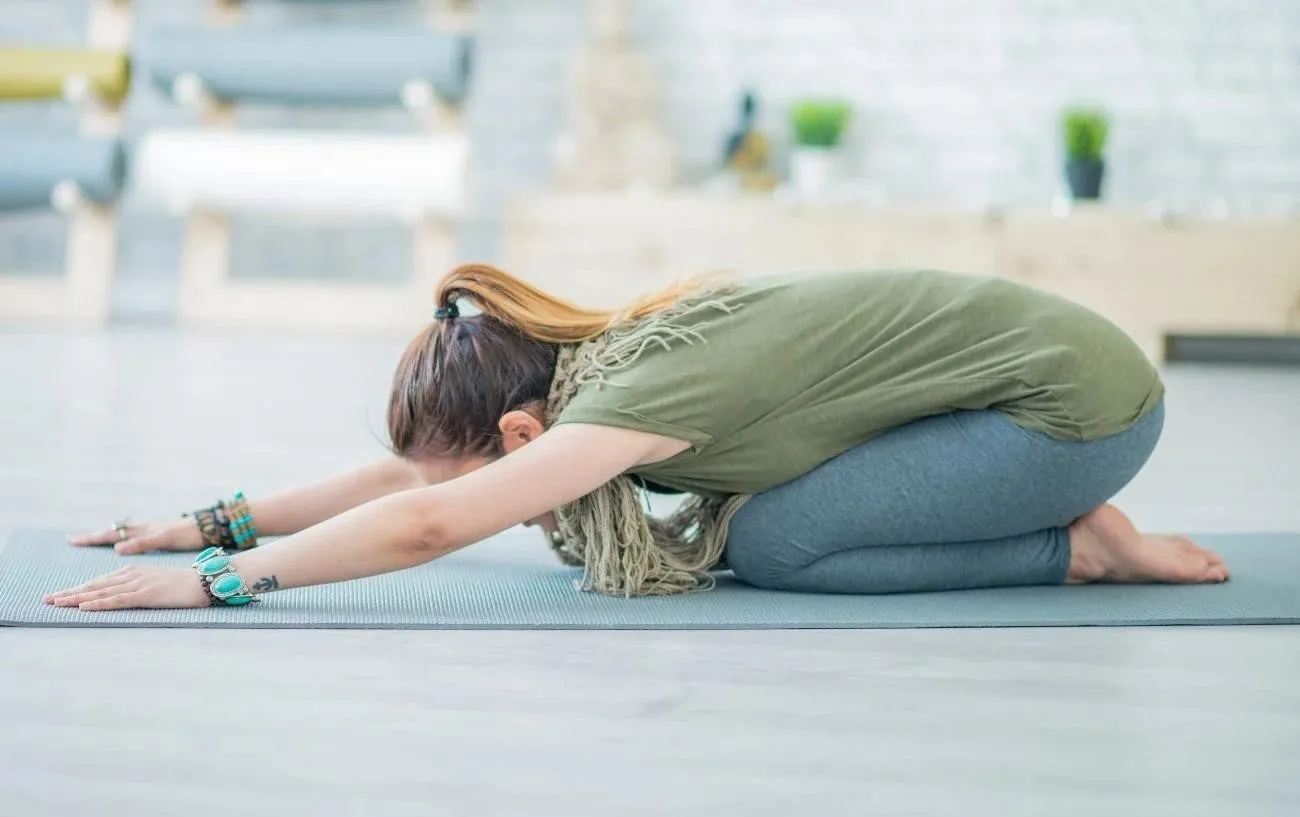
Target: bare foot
(1105, 547)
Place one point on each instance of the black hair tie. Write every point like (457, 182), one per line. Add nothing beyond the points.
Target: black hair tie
(448, 312)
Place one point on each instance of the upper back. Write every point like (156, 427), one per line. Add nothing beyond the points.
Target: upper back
(802, 367)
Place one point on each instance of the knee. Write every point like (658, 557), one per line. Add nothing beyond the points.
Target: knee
(750, 570)
(760, 555)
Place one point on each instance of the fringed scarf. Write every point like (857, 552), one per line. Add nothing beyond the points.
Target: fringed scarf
(625, 551)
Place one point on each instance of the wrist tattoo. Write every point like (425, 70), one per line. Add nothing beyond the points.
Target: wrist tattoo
(267, 583)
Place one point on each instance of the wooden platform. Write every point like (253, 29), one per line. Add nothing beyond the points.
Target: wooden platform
(1152, 276)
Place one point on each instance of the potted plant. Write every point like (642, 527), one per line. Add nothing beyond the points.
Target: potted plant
(1085, 131)
(818, 126)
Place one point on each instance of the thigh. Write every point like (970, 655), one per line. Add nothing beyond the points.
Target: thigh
(960, 477)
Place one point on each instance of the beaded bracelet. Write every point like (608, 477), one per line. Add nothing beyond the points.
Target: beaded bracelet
(227, 525)
(212, 526)
(240, 523)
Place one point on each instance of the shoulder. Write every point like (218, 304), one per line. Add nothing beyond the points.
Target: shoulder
(659, 375)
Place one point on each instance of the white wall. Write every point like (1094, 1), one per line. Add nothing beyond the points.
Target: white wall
(957, 99)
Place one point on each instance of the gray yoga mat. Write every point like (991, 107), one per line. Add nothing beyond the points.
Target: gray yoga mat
(33, 164)
(510, 582)
(308, 64)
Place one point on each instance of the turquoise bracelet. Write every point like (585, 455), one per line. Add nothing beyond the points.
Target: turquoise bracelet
(220, 581)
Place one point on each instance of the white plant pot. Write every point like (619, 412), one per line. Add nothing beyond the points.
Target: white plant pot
(812, 170)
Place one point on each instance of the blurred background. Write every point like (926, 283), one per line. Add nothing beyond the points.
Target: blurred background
(287, 162)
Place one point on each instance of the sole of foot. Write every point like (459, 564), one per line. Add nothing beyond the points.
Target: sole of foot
(1106, 547)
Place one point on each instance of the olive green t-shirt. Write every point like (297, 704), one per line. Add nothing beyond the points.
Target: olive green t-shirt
(806, 367)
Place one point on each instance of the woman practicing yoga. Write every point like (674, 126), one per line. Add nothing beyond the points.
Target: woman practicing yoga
(852, 432)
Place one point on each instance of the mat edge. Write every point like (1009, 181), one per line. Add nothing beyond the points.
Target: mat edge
(1189, 622)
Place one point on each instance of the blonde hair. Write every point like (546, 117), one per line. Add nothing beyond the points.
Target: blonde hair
(545, 317)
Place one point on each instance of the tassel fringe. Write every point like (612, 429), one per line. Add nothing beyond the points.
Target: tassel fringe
(624, 551)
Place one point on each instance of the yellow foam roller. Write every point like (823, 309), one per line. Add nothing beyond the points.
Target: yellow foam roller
(42, 73)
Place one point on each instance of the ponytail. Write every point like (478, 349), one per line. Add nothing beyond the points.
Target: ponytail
(539, 315)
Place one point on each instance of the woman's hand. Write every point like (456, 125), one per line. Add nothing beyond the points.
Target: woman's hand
(138, 586)
(183, 534)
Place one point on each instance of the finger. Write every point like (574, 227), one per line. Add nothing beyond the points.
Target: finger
(103, 537)
(120, 601)
(93, 595)
(116, 577)
(139, 544)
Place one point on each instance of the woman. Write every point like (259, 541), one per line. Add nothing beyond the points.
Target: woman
(852, 432)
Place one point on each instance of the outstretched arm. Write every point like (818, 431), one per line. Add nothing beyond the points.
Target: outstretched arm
(413, 527)
(279, 514)
(296, 510)
(407, 528)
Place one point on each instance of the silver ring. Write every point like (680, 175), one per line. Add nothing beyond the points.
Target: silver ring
(121, 527)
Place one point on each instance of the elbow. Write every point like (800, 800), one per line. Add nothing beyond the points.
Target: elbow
(432, 533)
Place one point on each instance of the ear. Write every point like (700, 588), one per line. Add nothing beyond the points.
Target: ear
(518, 428)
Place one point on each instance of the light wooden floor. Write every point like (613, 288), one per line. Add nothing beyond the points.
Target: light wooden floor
(1178, 721)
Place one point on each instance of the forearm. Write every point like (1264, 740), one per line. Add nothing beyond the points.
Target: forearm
(381, 536)
(296, 510)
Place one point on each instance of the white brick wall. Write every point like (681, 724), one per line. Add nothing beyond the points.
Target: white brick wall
(957, 100)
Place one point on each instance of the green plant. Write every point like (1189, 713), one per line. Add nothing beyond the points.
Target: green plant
(819, 123)
(1085, 131)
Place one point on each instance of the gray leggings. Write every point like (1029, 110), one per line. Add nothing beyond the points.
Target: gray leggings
(955, 501)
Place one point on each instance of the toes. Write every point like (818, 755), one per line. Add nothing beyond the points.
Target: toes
(1187, 544)
(1193, 564)
(1216, 574)
(1218, 569)
(1198, 564)
(1199, 570)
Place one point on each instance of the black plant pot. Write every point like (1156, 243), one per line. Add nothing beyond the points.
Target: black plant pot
(1085, 177)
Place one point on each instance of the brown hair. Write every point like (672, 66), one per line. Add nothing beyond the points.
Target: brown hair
(459, 375)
